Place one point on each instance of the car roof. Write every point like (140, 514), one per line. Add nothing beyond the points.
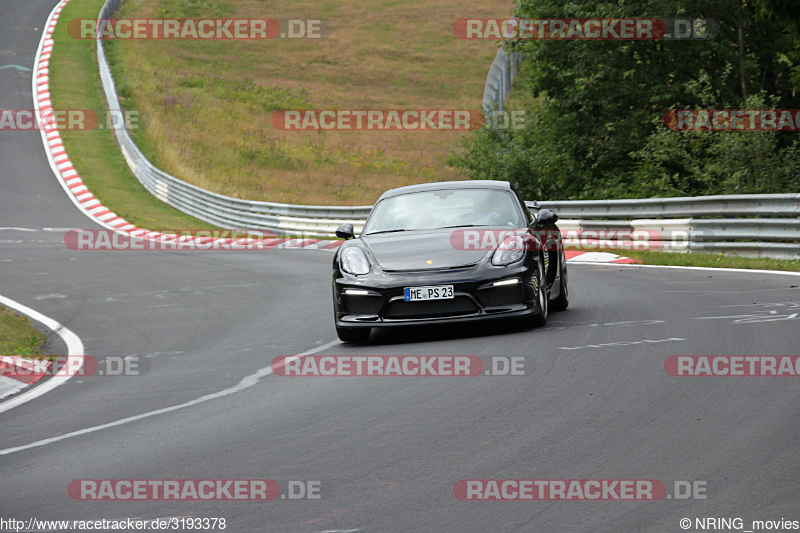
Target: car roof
(443, 185)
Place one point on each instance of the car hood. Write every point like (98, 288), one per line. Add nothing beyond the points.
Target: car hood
(412, 250)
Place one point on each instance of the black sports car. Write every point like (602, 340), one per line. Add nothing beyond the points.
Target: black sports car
(448, 252)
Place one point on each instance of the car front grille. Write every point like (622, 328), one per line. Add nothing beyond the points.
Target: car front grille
(458, 306)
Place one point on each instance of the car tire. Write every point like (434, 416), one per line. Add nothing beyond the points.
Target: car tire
(354, 335)
(540, 317)
(562, 300)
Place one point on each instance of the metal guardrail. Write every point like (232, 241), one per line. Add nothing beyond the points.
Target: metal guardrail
(498, 82)
(768, 225)
(745, 205)
(754, 237)
(771, 227)
(760, 237)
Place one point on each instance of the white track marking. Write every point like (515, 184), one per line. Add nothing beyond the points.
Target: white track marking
(710, 269)
(595, 257)
(18, 67)
(245, 383)
(74, 349)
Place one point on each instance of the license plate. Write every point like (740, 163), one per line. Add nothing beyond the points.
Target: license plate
(441, 292)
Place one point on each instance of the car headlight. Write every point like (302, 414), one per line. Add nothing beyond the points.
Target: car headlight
(354, 261)
(510, 250)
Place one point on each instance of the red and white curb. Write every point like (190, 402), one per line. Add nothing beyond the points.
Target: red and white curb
(27, 372)
(18, 372)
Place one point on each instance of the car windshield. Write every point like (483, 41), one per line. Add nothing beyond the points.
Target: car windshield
(445, 208)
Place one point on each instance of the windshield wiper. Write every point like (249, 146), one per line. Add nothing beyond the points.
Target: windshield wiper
(465, 226)
(385, 231)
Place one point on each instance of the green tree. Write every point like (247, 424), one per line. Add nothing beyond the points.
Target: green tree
(599, 104)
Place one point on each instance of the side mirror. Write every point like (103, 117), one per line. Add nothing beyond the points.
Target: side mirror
(546, 217)
(533, 208)
(345, 231)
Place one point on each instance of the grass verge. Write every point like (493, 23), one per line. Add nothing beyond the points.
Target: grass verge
(708, 260)
(18, 336)
(206, 105)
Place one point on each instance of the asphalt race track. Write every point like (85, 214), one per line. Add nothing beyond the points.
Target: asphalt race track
(595, 401)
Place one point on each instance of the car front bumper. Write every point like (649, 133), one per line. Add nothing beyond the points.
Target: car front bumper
(377, 299)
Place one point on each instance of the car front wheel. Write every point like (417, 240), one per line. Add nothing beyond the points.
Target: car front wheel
(540, 318)
(562, 301)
